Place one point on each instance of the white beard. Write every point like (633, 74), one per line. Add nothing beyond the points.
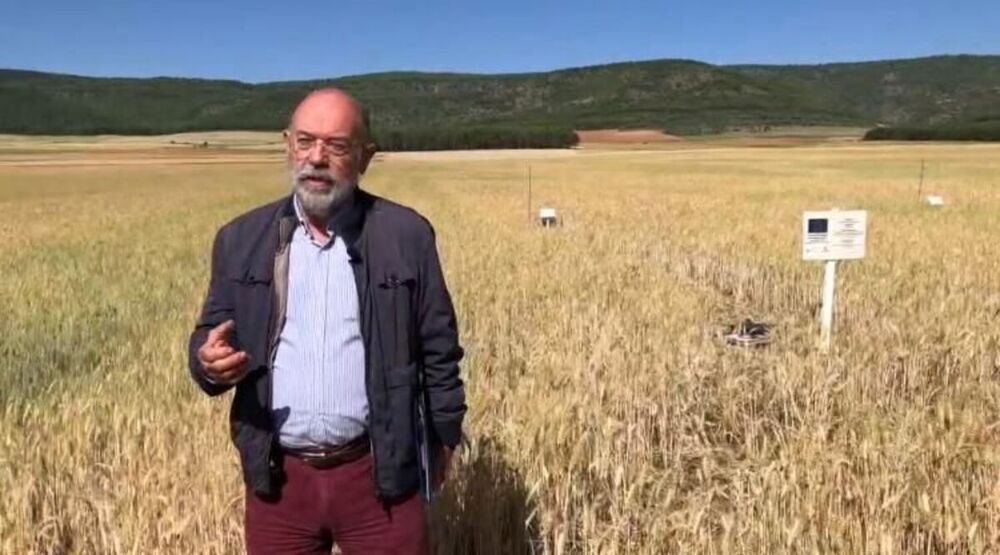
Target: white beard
(319, 203)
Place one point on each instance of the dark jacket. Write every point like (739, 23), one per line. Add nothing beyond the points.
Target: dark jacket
(407, 324)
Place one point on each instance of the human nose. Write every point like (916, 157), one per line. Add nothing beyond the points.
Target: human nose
(316, 153)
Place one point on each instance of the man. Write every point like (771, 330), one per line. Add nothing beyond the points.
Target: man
(328, 312)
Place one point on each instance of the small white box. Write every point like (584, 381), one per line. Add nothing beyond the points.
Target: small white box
(547, 217)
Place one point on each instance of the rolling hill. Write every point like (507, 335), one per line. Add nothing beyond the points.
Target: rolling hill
(680, 96)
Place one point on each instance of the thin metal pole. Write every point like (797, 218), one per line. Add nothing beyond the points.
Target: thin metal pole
(826, 311)
(529, 193)
(920, 187)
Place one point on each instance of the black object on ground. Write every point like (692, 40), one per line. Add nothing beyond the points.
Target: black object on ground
(749, 334)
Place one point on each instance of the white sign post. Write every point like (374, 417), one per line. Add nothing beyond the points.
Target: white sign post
(831, 236)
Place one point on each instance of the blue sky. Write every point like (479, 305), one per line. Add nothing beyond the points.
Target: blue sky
(256, 40)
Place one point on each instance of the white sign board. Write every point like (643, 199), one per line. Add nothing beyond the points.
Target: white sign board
(834, 235)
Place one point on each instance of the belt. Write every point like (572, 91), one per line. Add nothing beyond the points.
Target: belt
(329, 456)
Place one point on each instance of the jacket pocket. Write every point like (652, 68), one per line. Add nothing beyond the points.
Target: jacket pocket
(395, 303)
(404, 376)
(251, 308)
(403, 393)
(397, 286)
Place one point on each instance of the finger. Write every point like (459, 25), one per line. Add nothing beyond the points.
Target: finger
(227, 363)
(441, 473)
(208, 353)
(221, 332)
(234, 375)
(444, 470)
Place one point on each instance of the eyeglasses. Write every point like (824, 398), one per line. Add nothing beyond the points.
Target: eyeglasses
(330, 147)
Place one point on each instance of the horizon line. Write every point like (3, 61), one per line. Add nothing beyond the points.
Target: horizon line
(499, 74)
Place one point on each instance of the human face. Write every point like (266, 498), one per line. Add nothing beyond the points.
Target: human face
(326, 152)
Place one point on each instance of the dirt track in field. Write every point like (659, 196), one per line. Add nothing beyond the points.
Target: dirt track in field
(626, 136)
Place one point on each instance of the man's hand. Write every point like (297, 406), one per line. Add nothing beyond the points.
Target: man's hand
(443, 467)
(222, 364)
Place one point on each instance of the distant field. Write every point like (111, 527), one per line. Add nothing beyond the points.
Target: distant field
(627, 136)
(606, 413)
(179, 140)
(223, 146)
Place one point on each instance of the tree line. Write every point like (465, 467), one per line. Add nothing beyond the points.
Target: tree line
(469, 138)
(974, 131)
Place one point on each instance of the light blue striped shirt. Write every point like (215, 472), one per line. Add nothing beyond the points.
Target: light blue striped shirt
(318, 386)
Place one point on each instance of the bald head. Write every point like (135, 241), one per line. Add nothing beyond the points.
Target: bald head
(331, 113)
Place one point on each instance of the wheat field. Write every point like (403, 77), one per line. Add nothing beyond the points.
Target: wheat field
(606, 414)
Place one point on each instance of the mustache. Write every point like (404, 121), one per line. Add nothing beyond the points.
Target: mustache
(314, 173)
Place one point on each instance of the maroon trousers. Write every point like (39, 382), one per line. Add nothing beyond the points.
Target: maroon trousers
(318, 508)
